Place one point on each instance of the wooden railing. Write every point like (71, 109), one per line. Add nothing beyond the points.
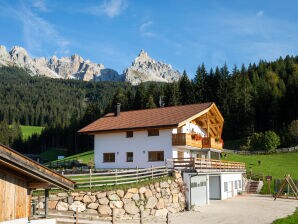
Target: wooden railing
(183, 139)
(116, 177)
(206, 165)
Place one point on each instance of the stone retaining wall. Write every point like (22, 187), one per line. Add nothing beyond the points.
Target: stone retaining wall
(154, 199)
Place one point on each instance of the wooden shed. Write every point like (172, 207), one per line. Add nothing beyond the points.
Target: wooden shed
(19, 175)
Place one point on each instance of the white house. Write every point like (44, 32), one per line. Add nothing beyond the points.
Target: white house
(188, 135)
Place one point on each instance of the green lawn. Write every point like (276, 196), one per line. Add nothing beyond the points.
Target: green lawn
(291, 219)
(83, 157)
(28, 131)
(53, 153)
(276, 164)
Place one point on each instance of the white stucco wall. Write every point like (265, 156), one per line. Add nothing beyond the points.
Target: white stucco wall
(230, 179)
(139, 144)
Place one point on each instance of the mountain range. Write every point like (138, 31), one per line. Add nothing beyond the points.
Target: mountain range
(143, 68)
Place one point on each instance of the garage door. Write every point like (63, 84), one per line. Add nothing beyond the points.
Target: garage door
(198, 194)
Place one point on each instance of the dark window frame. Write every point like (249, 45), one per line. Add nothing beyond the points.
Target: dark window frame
(129, 134)
(110, 157)
(153, 156)
(153, 132)
(127, 160)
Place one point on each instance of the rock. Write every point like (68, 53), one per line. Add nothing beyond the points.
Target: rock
(156, 185)
(93, 205)
(161, 212)
(101, 195)
(52, 204)
(128, 195)
(118, 212)
(175, 198)
(91, 211)
(104, 210)
(148, 193)
(110, 193)
(120, 193)
(158, 189)
(79, 198)
(53, 197)
(126, 200)
(131, 208)
(133, 190)
(177, 175)
(77, 205)
(158, 195)
(87, 199)
(103, 201)
(62, 194)
(142, 190)
(152, 201)
(62, 206)
(116, 204)
(152, 187)
(40, 205)
(164, 184)
(113, 197)
(160, 204)
(74, 194)
(69, 200)
(136, 197)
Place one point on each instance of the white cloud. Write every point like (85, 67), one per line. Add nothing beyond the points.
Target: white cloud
(144, 29)
(38, 33)
(40, 5)
(110, 8)
(260, 13)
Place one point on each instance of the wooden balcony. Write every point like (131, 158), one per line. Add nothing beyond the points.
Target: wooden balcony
(183, 139)
(210, 142)
(208, 165)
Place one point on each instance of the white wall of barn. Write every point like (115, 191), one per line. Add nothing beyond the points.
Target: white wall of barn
(139, 144)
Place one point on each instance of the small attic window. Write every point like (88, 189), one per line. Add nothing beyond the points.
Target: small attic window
(153, 132)
(129, 134)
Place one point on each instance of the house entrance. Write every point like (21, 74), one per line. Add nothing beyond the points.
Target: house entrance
(214, 188)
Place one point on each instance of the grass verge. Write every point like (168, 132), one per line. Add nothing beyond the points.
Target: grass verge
(291, 219)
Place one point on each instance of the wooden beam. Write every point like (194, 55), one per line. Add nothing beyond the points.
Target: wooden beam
(39, 185)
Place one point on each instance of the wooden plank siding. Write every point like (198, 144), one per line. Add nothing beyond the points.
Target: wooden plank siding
(14, 196)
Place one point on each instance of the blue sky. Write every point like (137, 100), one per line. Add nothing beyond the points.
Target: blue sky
(182, 33)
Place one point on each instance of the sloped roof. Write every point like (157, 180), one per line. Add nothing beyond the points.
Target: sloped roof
(31, 170)
(138, 119)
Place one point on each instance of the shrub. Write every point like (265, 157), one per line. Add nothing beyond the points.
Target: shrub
(267, 141)
(293, 130)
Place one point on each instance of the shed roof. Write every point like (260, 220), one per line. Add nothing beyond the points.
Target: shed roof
(32, 170)
(148, 118)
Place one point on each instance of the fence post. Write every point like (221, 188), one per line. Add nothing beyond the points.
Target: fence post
(141, 217)
(151, 172)
(113, 216)
(90, 184)
(116, 176)
(168, 218)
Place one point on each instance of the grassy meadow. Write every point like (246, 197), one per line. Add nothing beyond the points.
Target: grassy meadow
(28, 131)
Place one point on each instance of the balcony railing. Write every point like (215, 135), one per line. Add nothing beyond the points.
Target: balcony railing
(183, 139)
(207, 165)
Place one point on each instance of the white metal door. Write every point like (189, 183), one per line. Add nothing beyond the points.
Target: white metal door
(198, 193)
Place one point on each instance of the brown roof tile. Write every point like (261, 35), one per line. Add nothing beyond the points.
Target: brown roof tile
(138, 119)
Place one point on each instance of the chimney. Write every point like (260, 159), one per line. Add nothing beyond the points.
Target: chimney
(117, 109)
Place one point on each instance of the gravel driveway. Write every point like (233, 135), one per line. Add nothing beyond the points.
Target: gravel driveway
(254, 209)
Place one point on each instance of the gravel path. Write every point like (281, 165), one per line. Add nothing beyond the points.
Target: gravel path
(252, 209)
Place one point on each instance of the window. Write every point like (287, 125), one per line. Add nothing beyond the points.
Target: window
(180, 155)
(236, 184)
(239, 184)
(129, 134)
(129, 157)
(153, 132)
(109, 157)
(155, 156)
(226, 187)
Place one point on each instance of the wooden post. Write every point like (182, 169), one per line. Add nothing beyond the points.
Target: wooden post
(77, 215)
(46, 207)
(113, 217)
(116, 177)
(141, 217)
(90, 185)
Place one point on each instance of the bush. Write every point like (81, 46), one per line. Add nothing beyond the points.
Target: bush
(267, 141)
(293, 130)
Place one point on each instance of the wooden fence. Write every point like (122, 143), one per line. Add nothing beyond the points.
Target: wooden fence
(116, 177)
(205, 165)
